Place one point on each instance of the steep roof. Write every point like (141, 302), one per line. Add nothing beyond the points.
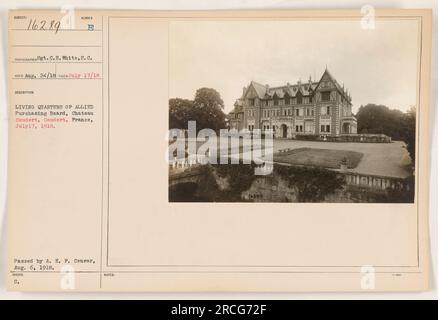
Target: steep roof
(306, 88)
(259, 88)
(264, 91)
(292, 90)
(337, 85)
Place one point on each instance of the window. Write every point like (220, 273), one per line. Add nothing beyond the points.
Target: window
(325, 110)
(297, 112)
(275, 101)
(325, 96)
(309, 127)
(299, 99)
(325, 128)
(287, 100)
(310, 99)
(299, 128)
(251, 102)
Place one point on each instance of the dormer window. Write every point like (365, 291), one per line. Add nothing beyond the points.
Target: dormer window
(286, 99)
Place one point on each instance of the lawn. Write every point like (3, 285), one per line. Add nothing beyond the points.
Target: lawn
(319, 157)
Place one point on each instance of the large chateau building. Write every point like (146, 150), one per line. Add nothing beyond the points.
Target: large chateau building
(307, 108)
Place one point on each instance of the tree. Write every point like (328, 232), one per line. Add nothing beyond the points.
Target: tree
(209, 105)
(409, 132)
(374, 118)
(398, 125)
(206, 109)
(180, 112)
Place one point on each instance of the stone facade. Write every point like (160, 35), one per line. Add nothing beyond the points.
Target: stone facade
(322, 108)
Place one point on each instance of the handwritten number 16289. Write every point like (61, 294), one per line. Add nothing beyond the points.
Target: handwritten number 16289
(44, 25)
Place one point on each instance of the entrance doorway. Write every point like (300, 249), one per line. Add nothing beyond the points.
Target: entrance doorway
(284, 131)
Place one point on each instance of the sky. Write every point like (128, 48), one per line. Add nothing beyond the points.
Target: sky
(376, 65)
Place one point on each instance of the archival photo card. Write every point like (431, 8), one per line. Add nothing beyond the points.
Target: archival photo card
(219, 151)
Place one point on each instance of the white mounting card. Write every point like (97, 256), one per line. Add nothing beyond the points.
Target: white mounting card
(218, 150)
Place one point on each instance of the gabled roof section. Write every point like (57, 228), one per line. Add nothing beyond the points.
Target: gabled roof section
(327, 75)
(279, 92)
(259, 89)
(341, 90)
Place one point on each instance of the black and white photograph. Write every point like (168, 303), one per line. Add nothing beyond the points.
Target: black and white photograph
(321, 107)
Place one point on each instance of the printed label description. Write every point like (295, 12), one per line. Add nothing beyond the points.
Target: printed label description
(56, 71)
